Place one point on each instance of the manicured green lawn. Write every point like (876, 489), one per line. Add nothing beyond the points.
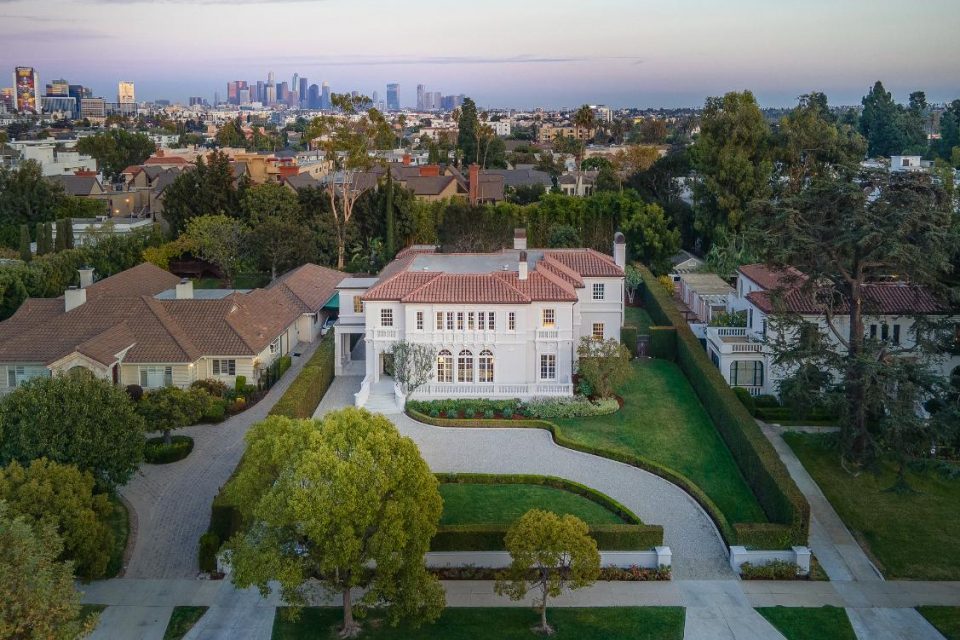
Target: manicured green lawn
(120, 525)
(663, 421)
(182, 620)
(810, 623)
(945, 619)
(614, 623)
(638, 317)
(909, 535)
(504, 503)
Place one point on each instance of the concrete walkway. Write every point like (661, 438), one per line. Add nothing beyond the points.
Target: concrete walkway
(172, 501)
(698, 550)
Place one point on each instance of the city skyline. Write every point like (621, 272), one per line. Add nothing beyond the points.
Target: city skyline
(631, 54)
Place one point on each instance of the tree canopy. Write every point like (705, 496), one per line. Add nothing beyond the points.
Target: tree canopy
(116, 149)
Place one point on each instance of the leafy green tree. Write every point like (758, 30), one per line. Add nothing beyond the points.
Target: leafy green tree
(652, 238)
(278, 236)
(116, 149)
(603, 364)
(46, 492)
(345, 501)
(949, 132)
(662, 183)
(26, 197)
(844, 241)
(551, 554)
(208, 189)
(607, 180)
(73, 418)
(732, 160)
(231, 134)
(468, 127)
(525, 193)
(389, 217)
(220, 240)
(881, 123)
(632, 282)
(77, 207)
(170, 408)
(413, 364)
(564, 236)
(43, 247)
(37, 597)
(914, 126)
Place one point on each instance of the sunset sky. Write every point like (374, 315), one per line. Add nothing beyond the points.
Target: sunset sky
(522, 53)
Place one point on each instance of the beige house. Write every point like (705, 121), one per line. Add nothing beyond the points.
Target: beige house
(145, 326)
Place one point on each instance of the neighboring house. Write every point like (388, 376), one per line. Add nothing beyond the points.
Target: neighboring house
(527, 177)
(85, 185)
(684, 262)
(503, 325)
(743, 354)
(577, 183)
(704, 295)
(146, 326)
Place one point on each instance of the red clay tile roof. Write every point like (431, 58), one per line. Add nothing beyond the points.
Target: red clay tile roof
(771, 278)
(586, 262)
(165, 160)
(475, 288)
(894, 299)
(398, 285)
(563, 271)
(540, 286)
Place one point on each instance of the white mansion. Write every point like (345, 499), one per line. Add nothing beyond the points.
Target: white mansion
(504, 325)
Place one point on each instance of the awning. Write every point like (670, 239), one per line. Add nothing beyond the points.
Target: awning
(333, 303)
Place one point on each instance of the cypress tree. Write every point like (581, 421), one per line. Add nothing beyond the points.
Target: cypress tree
(48, 237)
(41, 247)
(391, 242)
(61, 239)
(25, 253)
(68, 233)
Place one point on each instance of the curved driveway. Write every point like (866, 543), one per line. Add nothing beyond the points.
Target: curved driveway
(698, 550)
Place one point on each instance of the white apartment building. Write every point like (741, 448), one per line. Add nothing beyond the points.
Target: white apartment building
(743, 354)
(503, 325)
(56, 158)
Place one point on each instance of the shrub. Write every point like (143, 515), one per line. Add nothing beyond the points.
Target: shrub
(633, 573)
(663, 343)
(214, 387)
(488, 414)
(489, 537)
(240, 384)
(156, 452)
(774, 570)
(216, 411)
(209, 546)
(135, 392)
(746, 399)
(576, 407)
(300, 400)
(604, 364)
(584, 388)
(628, 336)
(762, 468)
(766, 401)
(469, 412)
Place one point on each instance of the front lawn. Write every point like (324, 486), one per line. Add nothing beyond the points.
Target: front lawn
(597, 623)
(908, 535)
(945, 619)
(639, 318)
(810, 623)
(663, 421)
(470, 503)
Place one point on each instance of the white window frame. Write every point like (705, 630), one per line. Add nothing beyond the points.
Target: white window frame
(419, 320)
(439, 326)
(511, 321)
(593, 330)
(471, 321)
(485, 366)
(386, 317)
(599, 291)
(481, 321)
(445, 366)
(460, 320)
(465, 367)
(222, 367)
(491, 321)
(357, 304)
(548, 318)
(18, 374)
(164, 371)
(275, 347)
(548, 366)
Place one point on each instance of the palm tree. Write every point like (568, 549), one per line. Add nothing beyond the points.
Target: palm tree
(584, 118)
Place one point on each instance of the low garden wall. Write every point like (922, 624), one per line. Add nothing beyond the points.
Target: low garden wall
(766, 475)
(649, 559)
(799, 556)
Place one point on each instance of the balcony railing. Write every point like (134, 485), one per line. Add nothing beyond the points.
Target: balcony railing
(495, 390)
(547, 334)
(727, 340)
(385, 334)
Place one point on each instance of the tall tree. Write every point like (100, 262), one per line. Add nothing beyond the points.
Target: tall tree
(653, 240)
(26, 197)
(26, 254)
(881, 123)
(549, 553)
(37, 596)
(468, 126)
(389, 217)
(209, 188)
(116, 149)
(345, 501)
(220, 240)
(949, 132)
(279, 236)
(75, 419)
(732, 160)
(843, 241)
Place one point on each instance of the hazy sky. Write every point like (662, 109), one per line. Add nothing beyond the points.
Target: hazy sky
(522, 53)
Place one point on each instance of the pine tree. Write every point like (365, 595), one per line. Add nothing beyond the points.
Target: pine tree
(391, 244)
(25, 253)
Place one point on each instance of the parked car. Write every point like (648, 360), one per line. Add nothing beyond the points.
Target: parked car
(327, 325)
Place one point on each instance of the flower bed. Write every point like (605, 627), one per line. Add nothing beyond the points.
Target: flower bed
(155, 451)
(630, 574)
(514, 409)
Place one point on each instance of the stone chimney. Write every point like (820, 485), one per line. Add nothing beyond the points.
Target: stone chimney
(522, 266)
(474, 183)
(185, 289)
(520, 239)
(86, 277)
(73, 298)
(620, 250)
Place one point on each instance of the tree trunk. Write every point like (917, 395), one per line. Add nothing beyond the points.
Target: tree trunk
(167, 438)
(857, 435)
(351, 629)
(545, 627)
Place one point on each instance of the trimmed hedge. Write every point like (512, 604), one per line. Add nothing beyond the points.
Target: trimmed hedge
(628, 337)
(155, 451)
(489, 537)
(663, 343)
(303, 395)
(726, 529)
(207, 556)
(581, 490)
(765, 473)
(746, 400)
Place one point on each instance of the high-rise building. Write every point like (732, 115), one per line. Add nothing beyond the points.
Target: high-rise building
(282, 89)
(293, 98)
(271, 93)
(313, 97)
(325, 96)
(125, 93)
(232, 89)
(421, 105)
(243, 96)
(261, 94)
(25, 84)
(93, 108)
(58, 88)
(196, 101)
(270, 78)
(435, 100)
(393, 97)
(304, 88)
(295, 82)
(7, 100)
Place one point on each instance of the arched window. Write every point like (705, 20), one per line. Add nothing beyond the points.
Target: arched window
(746, 373)
(465, 366)
(445, 366)
(485, 366)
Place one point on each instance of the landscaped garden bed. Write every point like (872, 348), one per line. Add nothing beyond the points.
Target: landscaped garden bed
(908, 534)
(514, 409)
(501, 623)
(157, 451)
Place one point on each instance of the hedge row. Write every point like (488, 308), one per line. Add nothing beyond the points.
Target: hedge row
(726, 529)
(663, 343)
(156, 451)
(581, 490)
(628, 337)
(300, 400)
(489, 537)
(765, 473)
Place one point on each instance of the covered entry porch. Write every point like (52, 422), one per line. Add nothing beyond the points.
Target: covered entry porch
(350, 350)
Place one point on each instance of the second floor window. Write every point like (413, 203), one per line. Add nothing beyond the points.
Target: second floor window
(491, 325)
(512, 321)
(598, 291)
(459, 320)
(597, 330)
(419, 320)
(471, 321)
(386, 317)
(549, 318)
(357, 304)
(482, 320)
(439, 326)
(449, 320)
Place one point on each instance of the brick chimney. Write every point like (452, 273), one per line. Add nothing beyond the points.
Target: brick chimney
(474, 183)
(407, 159)
(430, 170)
(522, 266)
(620, 250)
(520, 239)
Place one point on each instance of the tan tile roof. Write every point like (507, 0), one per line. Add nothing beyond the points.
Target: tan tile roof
(143, 279)
(310, 285)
